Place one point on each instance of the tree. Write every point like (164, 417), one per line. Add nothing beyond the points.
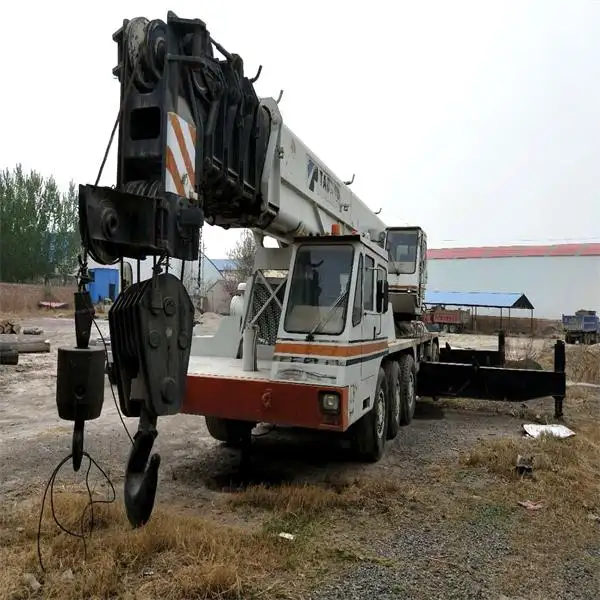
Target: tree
(242, 259)
(38, 227)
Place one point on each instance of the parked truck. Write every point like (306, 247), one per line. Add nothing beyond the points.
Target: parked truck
(583, 327)
(328, 336)
(447, 320)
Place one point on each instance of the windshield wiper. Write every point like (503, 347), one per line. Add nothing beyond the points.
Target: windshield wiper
(310, 336)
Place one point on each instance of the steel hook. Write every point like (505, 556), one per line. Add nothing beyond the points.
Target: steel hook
(141, 482)
(77, 445)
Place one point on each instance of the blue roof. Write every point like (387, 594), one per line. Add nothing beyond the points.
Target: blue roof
(223, 264)
(483, 299)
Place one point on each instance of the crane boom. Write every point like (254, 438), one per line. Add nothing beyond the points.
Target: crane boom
(300, 194)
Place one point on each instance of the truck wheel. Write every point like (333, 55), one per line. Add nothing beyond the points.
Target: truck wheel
(371, 430)
(227, 430)
(392, 370)
(408, 389)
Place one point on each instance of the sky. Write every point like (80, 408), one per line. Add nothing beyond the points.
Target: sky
(477, 120)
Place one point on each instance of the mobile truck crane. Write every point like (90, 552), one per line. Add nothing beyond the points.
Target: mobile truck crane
(330, 336)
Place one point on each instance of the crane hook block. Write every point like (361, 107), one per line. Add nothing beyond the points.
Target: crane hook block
(151, 325)
(80, 383)
(80, 377)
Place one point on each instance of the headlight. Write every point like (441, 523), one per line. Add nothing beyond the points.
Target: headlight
(330, 402)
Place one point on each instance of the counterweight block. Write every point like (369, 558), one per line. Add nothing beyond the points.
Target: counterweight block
(80, 383)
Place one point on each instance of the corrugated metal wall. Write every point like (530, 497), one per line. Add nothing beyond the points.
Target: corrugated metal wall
(554, 285)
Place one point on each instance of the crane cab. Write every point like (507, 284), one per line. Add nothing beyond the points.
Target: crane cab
(335, 325)
(407, 255)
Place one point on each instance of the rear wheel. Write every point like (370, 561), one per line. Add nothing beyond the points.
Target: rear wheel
(408, 391)
(232, 432)
(371, 430)
(392, 370)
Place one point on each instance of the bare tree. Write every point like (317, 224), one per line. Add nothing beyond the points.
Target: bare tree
(242, 259)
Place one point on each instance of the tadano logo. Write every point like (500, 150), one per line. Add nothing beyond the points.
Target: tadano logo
(320, 182)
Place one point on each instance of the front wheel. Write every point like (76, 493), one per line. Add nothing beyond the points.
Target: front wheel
(233, 433)
(370, 432)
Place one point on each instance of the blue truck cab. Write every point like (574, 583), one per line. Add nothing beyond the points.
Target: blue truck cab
(582, 327)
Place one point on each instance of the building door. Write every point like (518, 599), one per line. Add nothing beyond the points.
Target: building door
(112, 291)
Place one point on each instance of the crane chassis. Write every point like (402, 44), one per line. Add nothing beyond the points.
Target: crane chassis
(331, 335)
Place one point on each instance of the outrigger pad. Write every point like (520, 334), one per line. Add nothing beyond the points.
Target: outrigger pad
(151, 326)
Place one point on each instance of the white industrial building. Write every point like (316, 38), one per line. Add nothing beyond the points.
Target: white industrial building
(556, 279)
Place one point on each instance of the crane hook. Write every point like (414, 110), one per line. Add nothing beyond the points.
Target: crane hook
(141, 482)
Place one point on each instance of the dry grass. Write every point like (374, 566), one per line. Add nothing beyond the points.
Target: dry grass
(175, 556)
(309, 501)
(189, 556)
(22, 299)
(583, 362)
(565, 479)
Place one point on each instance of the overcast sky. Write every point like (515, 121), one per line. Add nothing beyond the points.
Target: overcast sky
(479, 121)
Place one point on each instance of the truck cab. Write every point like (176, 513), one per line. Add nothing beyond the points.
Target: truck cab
(335, 324)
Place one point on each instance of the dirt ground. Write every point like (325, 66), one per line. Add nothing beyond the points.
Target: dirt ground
(449, 535)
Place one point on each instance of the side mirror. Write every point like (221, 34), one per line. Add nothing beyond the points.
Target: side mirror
(383, 296)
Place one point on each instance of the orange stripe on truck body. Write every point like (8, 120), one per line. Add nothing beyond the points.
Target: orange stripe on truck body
(264, 401)
(311, 349)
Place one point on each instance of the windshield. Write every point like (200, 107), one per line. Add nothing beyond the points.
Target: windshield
(321, 276)
(402, 247)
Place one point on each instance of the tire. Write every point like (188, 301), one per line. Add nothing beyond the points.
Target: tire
(227, 430)
(408, 381)
(371, 430)
(392, 371)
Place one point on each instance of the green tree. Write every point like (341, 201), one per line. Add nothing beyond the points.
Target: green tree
(38, 227)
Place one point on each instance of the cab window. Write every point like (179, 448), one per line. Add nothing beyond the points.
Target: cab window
(357, 308)
(369, 282)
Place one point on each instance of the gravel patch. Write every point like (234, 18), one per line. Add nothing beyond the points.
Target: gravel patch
(418, 558)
